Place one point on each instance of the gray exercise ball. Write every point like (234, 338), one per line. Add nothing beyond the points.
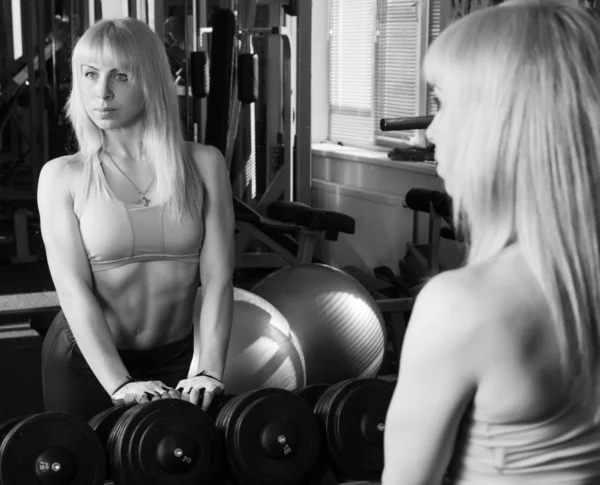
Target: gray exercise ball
(338, 323)
(263, 351)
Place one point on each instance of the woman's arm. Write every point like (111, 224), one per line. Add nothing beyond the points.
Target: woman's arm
(71, 272)
(439, 371)
(216, 265)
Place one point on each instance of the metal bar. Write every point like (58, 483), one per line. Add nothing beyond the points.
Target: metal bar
(303, 161)
(72, 26)
(8, 29)
(262, 237)
(91, 11)
(141, 11)
(201, 104)
(187, 107)
(288, 107)
(42, 81)
(156, 17)
(274, 53)
(54, 113)
(84, 11)
(29, 51)
(195, 44)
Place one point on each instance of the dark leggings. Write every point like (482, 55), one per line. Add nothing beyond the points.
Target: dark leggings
(69, 385)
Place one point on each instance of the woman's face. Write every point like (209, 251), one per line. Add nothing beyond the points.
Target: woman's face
(110, 98)
(441, 135)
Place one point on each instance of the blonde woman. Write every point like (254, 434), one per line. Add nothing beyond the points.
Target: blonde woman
(499, 379)
(132, 223)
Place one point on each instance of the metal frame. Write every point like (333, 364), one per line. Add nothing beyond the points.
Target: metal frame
(303, 162)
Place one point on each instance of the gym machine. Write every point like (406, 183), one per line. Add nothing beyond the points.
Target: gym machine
(32, 95)
(270, 176)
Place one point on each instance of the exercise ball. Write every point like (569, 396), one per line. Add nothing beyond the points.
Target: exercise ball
(338, 323)
(263, 351)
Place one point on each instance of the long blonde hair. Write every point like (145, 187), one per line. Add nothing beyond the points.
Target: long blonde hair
(526, 158)
(132, 46)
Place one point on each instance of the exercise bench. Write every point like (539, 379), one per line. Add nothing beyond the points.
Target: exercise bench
(289, 229)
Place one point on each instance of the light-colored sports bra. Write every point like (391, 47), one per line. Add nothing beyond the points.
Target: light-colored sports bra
(563, 449)
(116, 233)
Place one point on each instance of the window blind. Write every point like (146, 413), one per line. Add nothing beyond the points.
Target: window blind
(351, 67)
(375, 52)
(435, 27)
(397, 69)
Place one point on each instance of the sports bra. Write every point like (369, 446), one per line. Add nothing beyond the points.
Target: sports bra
(563, 449)
(116, 233)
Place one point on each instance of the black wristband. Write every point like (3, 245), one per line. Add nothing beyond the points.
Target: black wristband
(129, 379)
(204, 374)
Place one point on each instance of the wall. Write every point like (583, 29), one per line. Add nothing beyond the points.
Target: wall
(370, 188)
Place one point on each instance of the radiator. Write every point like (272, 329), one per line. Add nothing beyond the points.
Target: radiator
(383, 226)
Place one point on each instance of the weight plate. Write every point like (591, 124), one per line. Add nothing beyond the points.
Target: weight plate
(271, 437)
(164, 442)
(312, 393)
(52, 449)
(354, 426)
(324, 402)
(8, 425)
(103, 424)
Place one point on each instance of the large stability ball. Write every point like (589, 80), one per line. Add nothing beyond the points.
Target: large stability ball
(339, 324)
(263, 351)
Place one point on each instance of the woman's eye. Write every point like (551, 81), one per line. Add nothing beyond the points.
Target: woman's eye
(91, 74)
(121, 77)
(437, 103)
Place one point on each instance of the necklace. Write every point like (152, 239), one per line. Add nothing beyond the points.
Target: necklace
(144, 200)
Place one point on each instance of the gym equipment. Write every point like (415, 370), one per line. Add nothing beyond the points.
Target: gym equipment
(352, 415)
(338, 324)
(27, 304)
(221, 78)
(422, 260)
(165, 441)
(290, 229)
(391, 378)
(103, 423)
(271, 437)
(51, 449)
(405, 124)
(263, 350)
(312, 393)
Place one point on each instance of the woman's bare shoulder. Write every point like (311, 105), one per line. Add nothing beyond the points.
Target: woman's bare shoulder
(502, 295)
(64, 171)
(205, 156)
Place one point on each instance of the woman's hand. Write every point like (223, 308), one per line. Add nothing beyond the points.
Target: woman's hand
(139, 392)
(200, 389)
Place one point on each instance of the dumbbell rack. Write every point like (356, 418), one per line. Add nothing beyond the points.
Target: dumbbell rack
(270, 436)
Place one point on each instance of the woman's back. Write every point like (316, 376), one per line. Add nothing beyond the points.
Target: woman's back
(524, 424)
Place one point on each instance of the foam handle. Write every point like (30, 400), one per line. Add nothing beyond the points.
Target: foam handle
(248, 78)
(405, 124)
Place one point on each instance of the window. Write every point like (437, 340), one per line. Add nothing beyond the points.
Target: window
(375, 53)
